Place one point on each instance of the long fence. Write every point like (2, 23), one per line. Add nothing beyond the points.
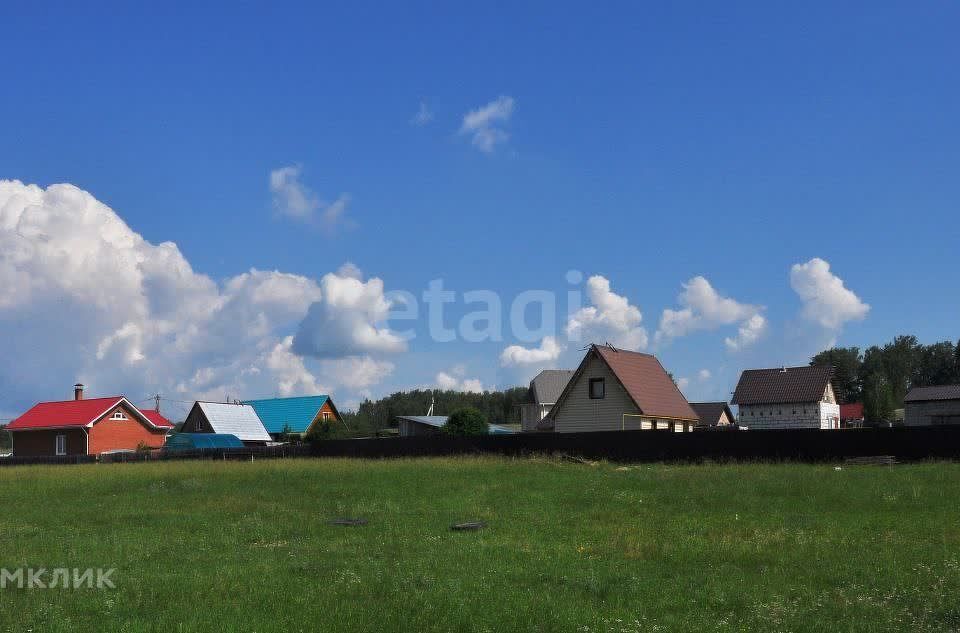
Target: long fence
(808, 445)
(904, 444)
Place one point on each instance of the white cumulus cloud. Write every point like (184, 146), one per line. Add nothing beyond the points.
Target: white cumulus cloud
(548, 351)
(749, 332)
(348, 321)
(455, 380)
(609, 318)
(293, 199)
(84, 297)
(826, 300)
(703, 308)
(485, 124)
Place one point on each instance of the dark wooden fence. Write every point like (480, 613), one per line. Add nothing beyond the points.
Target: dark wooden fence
(788, 445)
(905, 444)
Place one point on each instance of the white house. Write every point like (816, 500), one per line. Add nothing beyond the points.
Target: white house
(787, 398)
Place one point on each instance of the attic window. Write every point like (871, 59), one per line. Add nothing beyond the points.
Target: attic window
(597, 388)
(326, 416)
(118, 415)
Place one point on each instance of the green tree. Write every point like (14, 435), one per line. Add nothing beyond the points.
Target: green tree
(320, 430)
(466, 421)
(956, 363)
(900, 360)
(936, 365)
(878, 402)
(846, 363)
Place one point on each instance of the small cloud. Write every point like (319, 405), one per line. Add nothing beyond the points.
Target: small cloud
(683, 383)
(826, 300)
(454, 381)
(484, 125)
(548, 351)
(703, 308)
(748, 333)
(293, 199)
(704, 375)
(423, 115)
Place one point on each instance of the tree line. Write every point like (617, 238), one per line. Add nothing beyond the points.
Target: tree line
(881, 376)
(371, 417)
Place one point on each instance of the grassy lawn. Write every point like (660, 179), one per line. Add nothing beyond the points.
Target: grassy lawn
(569, 547)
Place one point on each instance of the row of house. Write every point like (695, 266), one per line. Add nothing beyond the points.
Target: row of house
(104, 425)
(616, 389)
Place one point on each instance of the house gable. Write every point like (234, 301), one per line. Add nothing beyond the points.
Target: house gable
(123, 428)
(576, 411)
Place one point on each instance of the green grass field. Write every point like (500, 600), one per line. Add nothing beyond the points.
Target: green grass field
(569, 547)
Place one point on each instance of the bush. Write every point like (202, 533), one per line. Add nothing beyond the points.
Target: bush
(466, 421)
(319, 430)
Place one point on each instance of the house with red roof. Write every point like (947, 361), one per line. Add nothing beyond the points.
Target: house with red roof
(86, 427)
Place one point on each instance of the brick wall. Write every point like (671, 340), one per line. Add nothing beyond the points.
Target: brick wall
(109, 434)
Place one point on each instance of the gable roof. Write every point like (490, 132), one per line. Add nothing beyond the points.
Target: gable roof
(437, 421)
(940, 392)
(782, 385)
(296, 413)
(643, 378)
(72, 414)
(710, 412)
(234, 419)
(547, 386)
(156, 418)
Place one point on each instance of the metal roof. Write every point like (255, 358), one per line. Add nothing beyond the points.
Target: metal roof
(236, 419)
(438, 421)
(782, 385)
(193, 441)
(941, 392)
(294, 413)
(547, 386)
(76, 413)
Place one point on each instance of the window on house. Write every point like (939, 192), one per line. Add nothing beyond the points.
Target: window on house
(61, 445)
(119, 415)
(326, 415)
(597, 388)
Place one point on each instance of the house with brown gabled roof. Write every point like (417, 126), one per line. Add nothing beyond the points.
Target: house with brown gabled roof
(714, 414)
(787, 398)
(618, 390)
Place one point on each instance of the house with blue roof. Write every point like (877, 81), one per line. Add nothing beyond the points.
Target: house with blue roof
(294, 415)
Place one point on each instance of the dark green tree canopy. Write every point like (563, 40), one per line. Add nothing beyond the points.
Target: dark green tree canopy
(882, 376)
(466, 421)
(846, 363)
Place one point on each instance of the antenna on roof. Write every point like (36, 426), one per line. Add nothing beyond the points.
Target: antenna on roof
(430, 410)
(611, 346)
(157, 400)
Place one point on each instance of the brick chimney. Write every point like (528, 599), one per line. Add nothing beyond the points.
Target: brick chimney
(78, 391)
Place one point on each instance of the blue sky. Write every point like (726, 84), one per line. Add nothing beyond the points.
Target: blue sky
(648, 144)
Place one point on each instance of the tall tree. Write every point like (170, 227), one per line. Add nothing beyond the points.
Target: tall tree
(900, 359)
(936, 365)
(846, 362)
(878, 402)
